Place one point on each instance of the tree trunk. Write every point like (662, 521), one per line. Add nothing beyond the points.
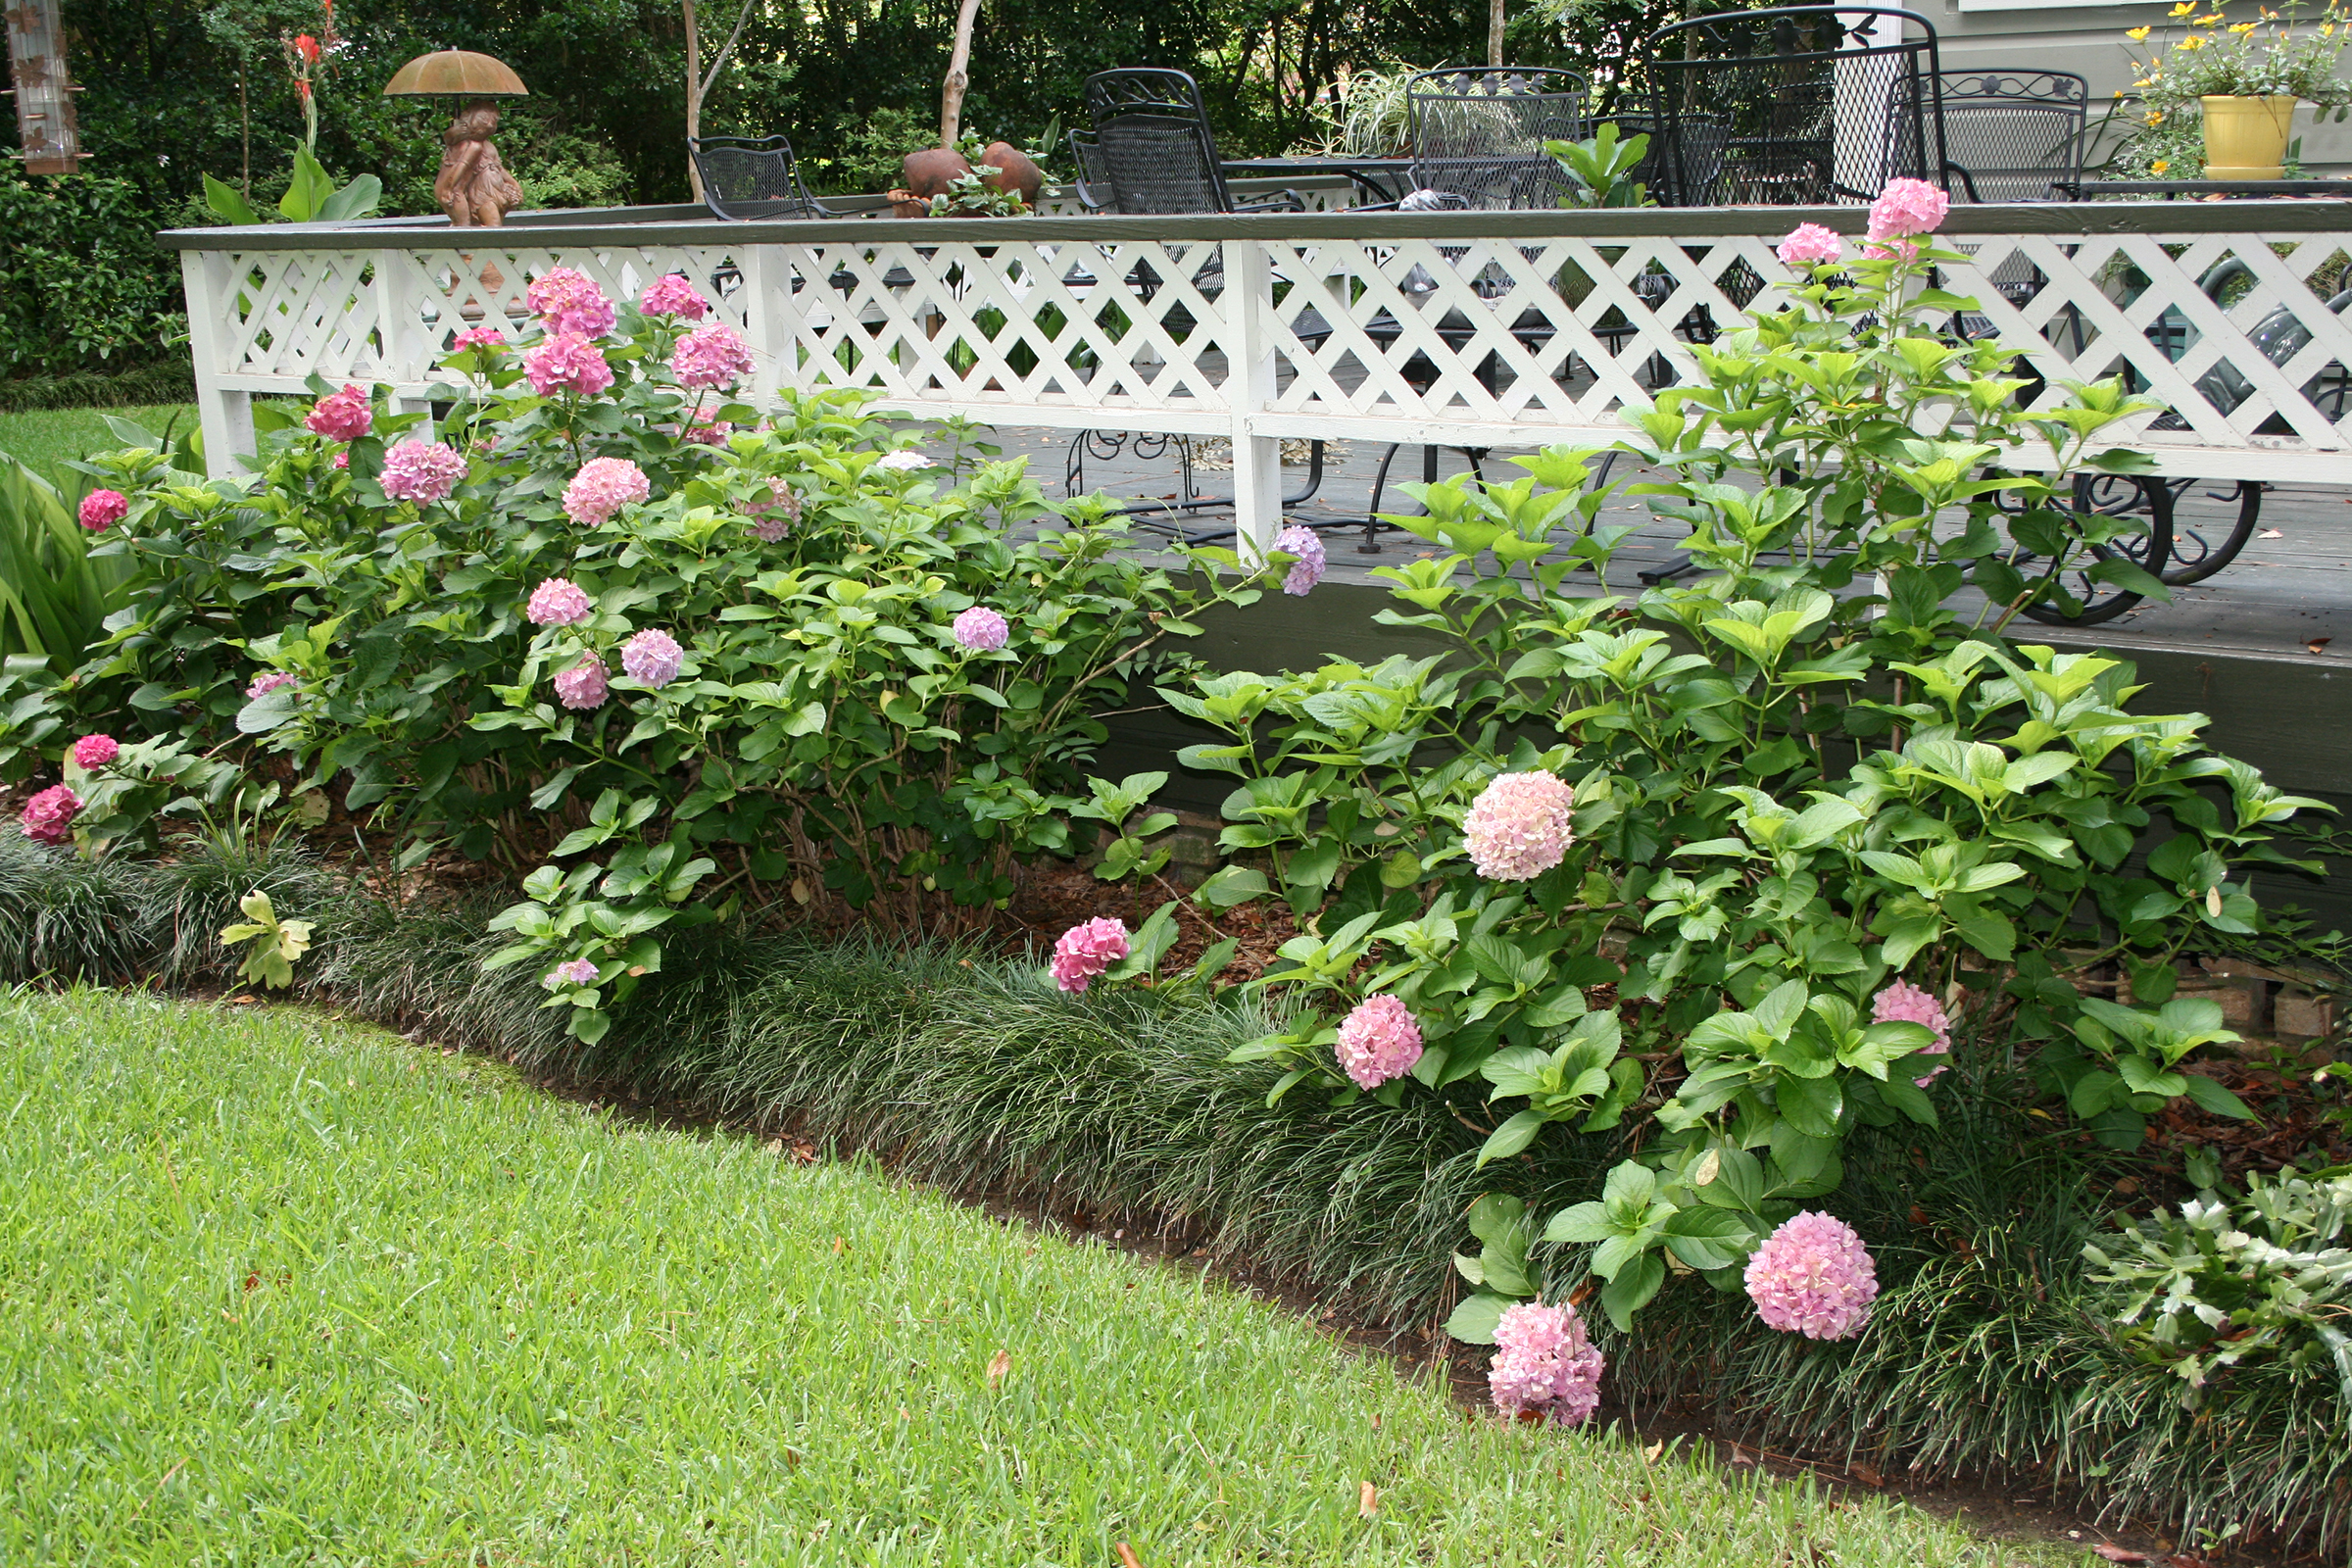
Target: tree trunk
(950, 94)
(1494, 32)
(694, 98)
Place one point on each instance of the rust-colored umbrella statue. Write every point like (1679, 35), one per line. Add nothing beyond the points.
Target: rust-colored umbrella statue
(474, 186)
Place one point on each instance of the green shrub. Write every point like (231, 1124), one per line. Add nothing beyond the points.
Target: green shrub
(82, 282)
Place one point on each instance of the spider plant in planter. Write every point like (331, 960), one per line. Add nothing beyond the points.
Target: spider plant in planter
(2237, 84)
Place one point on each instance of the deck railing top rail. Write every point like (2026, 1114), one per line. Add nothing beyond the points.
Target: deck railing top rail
(1460, 329)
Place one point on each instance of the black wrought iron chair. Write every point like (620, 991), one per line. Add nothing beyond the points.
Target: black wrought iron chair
(1153, 152)
(1479, 132)
(1794, 105)
(2008, 136)
(1156, 146)
(746, 177)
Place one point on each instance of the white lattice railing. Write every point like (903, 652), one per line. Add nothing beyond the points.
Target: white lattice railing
(1459, 328)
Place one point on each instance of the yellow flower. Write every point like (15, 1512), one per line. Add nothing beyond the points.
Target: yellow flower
(2135, 35)
(2155, 116)
(2245, 26)
(2158, 166)
(2192, 42)
(2182, 9)
(2326, 29)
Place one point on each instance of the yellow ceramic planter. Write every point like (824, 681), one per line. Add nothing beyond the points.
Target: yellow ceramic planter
(2245, 138)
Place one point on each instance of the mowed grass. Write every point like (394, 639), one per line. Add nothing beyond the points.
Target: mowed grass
(279, 1289)
(46, 440)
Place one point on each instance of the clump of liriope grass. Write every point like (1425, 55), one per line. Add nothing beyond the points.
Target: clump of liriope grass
(65, 916)
(1988, 1350)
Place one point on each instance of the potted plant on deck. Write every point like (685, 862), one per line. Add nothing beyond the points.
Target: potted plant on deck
(2237, 84)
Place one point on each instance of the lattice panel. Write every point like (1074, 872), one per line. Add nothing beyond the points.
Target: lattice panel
(2236, 335)
(1129, 327)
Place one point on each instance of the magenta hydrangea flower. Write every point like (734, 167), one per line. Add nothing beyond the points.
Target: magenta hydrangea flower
(93, 752)
(981, 629)
(1379, 1040)
(653, 658)
(584, 687)
(1518, 826)
(602, 487)
(1908, 206)
(1545, 1364)
(672, 295)
(48, 816)
(559, 602)
(713, 433)
(714, 356)
(341, 416)
(567, 300)
(1307, 569)
(773, 517)
(1809, 244)
(343, 459)
(103, 508)
(567, 362)
(1813, 1277)
(478, 337)
(578, 972)
(422, 471)
(1086, 951)
(1904, 1003)
(264, 685)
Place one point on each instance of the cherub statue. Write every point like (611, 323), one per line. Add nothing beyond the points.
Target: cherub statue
(473, 187)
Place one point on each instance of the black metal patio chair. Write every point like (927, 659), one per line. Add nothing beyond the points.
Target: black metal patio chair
(1479, 132)
(1794, 105)
(746, 177)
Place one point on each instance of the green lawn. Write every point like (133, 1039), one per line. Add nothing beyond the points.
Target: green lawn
(281, 1289)
(47, 439)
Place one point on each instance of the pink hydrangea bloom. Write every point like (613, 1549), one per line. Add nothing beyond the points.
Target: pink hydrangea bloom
(653, 658)
(672, 295)
(264, 685)
(1813, 1277)
(559, 602)
(1904, 1003)
(49, 816)
(567, 362)
(343, 459)
(1379, 1040)
(422, 471)
(713, 356)
(711, 434)
(567, 300)
(1545, 1364)
(602, 487)
(584, 687)
(578, 972)
(981, 629)
(341, 416)
(1086, 951)
(1908, 206)
(772, 518)
(1808, 244)
(103, 508)
(478, 337)
(96, 751)
(1307, 569)
(1518, 826)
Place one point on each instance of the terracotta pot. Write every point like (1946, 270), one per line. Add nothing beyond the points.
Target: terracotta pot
(1004, 166)
(930, 172)
(2245, 138)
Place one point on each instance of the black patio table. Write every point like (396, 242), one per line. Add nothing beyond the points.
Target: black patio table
(2082, 190)
(1387, 179)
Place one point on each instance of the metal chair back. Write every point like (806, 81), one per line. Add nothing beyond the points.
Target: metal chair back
(746, 177)
(1152, 132)
(1479, 132)
(1794, 105)
(1093, 181)
(2008, 136)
